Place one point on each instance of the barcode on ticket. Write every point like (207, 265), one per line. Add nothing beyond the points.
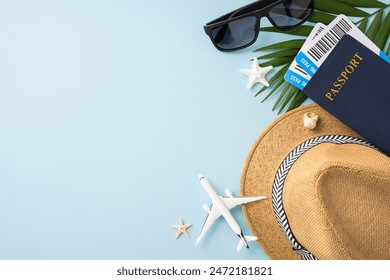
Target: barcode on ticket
(329, 40)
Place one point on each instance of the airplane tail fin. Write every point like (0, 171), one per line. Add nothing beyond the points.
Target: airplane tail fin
(244, 239)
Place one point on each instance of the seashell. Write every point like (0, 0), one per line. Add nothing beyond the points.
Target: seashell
(310, 120)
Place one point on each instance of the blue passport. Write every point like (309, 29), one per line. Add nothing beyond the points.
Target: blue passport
(353, 84)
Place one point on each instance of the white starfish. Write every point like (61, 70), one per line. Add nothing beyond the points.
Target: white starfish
(256, 74)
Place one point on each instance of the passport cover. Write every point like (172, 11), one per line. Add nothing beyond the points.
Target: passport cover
(353, 84)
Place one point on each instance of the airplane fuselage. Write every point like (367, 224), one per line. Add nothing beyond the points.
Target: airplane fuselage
(217, 202)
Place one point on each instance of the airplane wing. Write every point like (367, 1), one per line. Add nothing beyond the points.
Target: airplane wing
(214, 214)
(231, 202)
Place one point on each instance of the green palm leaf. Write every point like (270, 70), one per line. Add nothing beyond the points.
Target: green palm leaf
(283, 53)
(297, 101)
(383, 33)
(285, 89)
(292, 44)
(300, 31)
(363, 25)
(278, 61)
(338, 7)
(325, 18)
(275, 87)
(278, 80)
(364, 3)
(291, 93)
(374, 27)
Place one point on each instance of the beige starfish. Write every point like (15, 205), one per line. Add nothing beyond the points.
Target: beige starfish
(181, 228)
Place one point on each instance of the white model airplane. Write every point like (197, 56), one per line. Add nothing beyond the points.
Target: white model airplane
(221, 206)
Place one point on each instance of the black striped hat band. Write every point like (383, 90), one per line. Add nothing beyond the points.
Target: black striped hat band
(281, 174)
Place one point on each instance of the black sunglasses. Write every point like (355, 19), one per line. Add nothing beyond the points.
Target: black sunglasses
(240, 28)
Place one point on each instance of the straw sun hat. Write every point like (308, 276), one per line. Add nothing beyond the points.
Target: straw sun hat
(328, 191)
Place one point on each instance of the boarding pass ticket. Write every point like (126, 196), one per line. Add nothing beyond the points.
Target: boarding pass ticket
(314, 52)
(295, 74)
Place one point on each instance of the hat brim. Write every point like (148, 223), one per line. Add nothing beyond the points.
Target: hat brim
(263, 160)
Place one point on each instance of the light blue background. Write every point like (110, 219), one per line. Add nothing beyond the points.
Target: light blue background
(109, 110)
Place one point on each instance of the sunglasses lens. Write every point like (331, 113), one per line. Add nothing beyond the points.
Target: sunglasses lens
(291, 13)
(235, 34)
